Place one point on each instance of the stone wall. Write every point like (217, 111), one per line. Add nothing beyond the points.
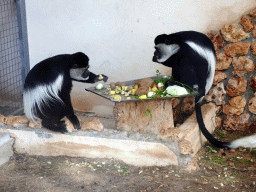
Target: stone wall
(235, 76)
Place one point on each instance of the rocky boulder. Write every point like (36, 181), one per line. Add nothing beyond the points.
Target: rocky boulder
(242, 65)
(233, 33)
(234, 49)
(235, 106)
(222, 62)
(236, 86)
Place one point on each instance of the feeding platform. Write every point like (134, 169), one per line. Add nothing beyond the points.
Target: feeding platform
(141, 115)
(154, 116)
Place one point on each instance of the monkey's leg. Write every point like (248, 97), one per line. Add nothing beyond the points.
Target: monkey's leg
(69, 113)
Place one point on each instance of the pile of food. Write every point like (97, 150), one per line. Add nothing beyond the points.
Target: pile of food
(145, 89)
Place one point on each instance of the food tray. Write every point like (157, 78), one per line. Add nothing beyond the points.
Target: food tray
(133, 98)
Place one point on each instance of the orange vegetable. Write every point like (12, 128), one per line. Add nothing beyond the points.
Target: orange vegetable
(154, 85)
(158, 96)
(159, 88)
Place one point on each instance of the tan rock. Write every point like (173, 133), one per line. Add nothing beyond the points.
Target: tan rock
(147, 82)
(69, 125)
(254, 32)
(236, 86)
(172, 132)
(16, 120)
(218, 108)
(222, 62)
(247, 23)
(217, 95)
(33, 124)
(188, 104)
(253, 83)
(142, 91)
(219, 77)
(252, 105)
(240, 123)
(216, 39)
(120, 84)
(233, 33)
(234, 49)
(242, 65)
(235, 106)
(253, 13)
(253, 47)
(185, 147)
(191, 130)
(2, 118)
(112, 85)
(192, 165)
(92, 124)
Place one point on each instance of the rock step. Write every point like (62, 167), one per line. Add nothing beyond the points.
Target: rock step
(134, 148)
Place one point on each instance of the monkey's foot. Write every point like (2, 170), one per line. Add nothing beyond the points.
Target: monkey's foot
(60, 127)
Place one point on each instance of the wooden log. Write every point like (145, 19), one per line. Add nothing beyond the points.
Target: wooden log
(130, 116)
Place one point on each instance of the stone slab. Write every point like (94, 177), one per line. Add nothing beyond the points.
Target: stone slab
(138, 153)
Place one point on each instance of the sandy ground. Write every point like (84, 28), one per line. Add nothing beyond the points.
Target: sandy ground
(218, 170)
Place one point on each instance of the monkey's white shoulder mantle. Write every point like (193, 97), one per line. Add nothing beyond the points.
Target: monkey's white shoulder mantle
(41, 96)
(210, 58)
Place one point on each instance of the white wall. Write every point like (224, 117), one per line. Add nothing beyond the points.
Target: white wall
(118, 35)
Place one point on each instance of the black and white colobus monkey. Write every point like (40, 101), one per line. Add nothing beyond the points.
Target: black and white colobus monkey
(191, 55)
(47, 88)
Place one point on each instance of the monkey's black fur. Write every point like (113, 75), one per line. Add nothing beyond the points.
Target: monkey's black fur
(47, 89)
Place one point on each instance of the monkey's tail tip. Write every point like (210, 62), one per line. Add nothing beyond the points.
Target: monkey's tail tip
(247, 142)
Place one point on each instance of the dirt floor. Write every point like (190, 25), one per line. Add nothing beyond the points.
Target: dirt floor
(218, 170)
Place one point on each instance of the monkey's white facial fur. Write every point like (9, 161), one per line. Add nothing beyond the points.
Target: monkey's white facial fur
(166, 51)
(77, 73)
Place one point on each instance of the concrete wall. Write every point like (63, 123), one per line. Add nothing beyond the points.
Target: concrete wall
(118, 36)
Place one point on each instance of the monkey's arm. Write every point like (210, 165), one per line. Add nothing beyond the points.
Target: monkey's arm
(92, 78)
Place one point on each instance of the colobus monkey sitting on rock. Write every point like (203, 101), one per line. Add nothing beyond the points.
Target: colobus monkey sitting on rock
(47, 88)
(191, 56)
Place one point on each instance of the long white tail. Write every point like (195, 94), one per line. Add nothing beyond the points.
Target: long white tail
(249, 142)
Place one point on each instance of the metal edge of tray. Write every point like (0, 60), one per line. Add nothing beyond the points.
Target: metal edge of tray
(92, 90)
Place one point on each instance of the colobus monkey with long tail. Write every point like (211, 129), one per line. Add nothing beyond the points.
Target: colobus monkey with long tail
(47, 88)
(191, 55)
